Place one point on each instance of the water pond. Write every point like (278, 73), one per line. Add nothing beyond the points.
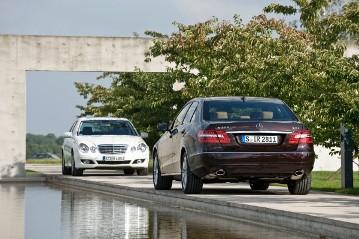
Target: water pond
(40, 210)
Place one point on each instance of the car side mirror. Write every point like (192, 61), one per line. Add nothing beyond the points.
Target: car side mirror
(144, 135)
(67, 135)
(162, 127)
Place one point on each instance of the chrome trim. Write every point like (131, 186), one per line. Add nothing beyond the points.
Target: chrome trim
(259, 131)
(112, 148)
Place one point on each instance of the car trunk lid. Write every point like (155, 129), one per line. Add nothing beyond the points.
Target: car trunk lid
(255, 136)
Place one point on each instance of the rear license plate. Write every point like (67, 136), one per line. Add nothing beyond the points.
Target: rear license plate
(113, 158)
(259, 139)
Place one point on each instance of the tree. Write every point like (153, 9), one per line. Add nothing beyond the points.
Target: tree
(43, 144)
(330, 24)
(265, 57)
(327, 21)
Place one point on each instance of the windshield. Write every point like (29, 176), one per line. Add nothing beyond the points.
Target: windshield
(106, 127)
(246, 111)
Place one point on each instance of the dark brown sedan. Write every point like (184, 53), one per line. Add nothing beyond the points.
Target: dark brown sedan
(220, 139)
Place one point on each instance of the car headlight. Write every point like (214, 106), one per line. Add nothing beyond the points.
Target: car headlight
(142, 147)
(83, 148)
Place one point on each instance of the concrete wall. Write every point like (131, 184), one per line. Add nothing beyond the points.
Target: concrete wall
(327, 162)
(20, 53)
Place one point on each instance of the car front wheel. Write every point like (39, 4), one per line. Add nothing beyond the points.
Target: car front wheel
(191, 184)
(160, 182)
(301, 186)
(75, 171)
(65, 170)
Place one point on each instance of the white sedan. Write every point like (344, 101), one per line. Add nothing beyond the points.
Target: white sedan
(104, 143)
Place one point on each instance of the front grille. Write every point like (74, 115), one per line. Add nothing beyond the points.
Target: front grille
(112, 148)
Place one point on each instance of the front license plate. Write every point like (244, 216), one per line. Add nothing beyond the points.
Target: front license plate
(113, 158)
(259, 139)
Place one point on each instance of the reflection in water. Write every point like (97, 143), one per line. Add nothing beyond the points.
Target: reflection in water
(57, 212)
(90, 215)
(12, 210)
(42, 212)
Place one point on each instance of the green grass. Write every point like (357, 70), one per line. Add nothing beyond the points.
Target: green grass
(31, 172)
(44, 161)
(331, 182)
(150, 166)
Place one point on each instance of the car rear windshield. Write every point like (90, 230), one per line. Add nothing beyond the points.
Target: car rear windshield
(106, 127)
(220, 110)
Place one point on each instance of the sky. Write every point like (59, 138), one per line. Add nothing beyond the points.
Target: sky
(51, 97)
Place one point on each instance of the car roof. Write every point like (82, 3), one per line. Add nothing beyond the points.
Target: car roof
(101, 118)
(241, 98)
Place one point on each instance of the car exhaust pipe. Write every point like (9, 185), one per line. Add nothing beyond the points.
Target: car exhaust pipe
(220, 172)
(298, 174)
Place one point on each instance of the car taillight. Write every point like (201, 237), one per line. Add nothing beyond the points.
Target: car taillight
(301, 137)
(213, 137)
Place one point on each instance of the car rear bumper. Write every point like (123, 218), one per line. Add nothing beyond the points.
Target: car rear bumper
(251, 165)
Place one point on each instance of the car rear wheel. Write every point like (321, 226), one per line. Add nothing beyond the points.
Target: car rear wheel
(129, 171)
(160, 182)
(65, 170)
(191, 184)
(301, 186)
(258, 185)
(75, 171)
(142, 172)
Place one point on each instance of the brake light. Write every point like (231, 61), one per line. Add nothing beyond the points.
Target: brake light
(301, 137)
(213, 137)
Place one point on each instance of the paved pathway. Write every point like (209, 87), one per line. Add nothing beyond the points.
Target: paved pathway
(340, 213)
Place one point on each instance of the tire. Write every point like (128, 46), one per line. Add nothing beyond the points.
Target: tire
(142, 172)
(191, 184)
(258, 185)
(129, 171)
(75, 171)
(301, 186)
(160, 182)
(65, 170)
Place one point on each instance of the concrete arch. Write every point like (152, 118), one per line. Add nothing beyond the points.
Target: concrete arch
(19, 53)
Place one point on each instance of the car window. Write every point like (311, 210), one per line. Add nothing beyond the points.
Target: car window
(190, 113)
(180, 117)
(106, 127)
(240, 111)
